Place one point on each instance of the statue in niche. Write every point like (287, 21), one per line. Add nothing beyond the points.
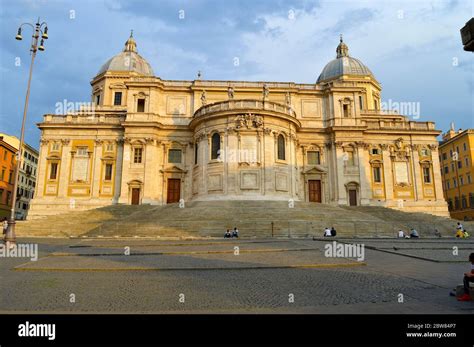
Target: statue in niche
(266, 92)
(230, 93)
(203, 98)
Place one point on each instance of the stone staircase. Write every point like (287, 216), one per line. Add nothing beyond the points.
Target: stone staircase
(253, 218)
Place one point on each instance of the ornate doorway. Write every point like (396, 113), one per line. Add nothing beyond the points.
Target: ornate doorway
(135, 196)
(174, 190)
(314, 190)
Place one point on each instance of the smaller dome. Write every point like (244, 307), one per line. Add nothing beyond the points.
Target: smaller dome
(128, 60)
(343, 65)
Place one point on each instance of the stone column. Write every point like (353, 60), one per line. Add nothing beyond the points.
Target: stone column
(341, 194)
(364, 175)
(118, 171)
(96, 169)
(41, 169)
(417, 173)
(437, 180)
(127, 155)
(66, 161)
(387, 173)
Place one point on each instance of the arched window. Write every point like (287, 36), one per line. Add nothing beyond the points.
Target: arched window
(215, 146)
(281, 147)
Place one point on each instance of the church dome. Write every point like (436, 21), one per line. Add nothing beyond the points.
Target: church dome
(343, 65)
(128, 60)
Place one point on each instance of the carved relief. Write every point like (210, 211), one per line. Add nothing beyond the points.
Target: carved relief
(248, 120)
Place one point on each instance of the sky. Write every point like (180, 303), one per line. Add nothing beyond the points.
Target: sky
(413, 48)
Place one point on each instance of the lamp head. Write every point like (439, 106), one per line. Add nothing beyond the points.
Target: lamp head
(41, 47)
(18, 35)
(45, 33)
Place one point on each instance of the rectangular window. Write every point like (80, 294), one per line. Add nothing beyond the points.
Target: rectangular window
(446, 169)
(1, 196)
(108, 172)
(137, 155)
(426, 175)
(466, 160)
(110, 147)
(464, 146)
(5, 155)
(376, 104)
(141, 105)
(9, 196)
(375, 151)
(196, 152)
(469, 179)
(2, 176)
(10, 177)
(53, 171)
(461, 180)
(377, 176)
(350, 158)
(313, 158)
(459, 164)
(345, 109)
(471, 200)
(55, 147)
(448, 185)
(455, 182)
(118, 98)
(82, 151)
(361, 104)
(174, 156)
(452, 167)
(97, 99)
(445, 156)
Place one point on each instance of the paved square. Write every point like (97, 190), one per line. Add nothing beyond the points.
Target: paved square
(234, 276)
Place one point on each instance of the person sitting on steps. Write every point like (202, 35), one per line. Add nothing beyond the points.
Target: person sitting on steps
(468, 278)
(227, 234)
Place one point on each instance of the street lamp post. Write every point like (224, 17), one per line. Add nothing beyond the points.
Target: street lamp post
(38, 28)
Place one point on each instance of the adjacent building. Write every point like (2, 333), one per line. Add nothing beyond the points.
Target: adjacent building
(27, 176)
(155, 141)
(456, 157)
(7, 170)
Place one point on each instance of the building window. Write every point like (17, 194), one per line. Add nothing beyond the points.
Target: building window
(375, 151)
(55, 147)
(97, 99)
(1, 196)
(110, 147)
(349, 158)
(466, 161)
(464, 146)
(455, 182)
(281, 147)
(9, 196)
(448, 185)
(450, 204)
(81, 151)
(53, 172)
(426, 174)
(445, 156)
(456, 203)
(361, 104)
(141, 105)
(108, 172)
(377, 174)
(137, 155)
(10, 177)
(5, 155)
(469, 179)
(376, 104)
(196, 152)
(174, 156)
(2, 176)
(452, 167)
(118, 98)
(459, 164)
(425, 152)
(345, 110)
(215, 146)
(314, 158)
(471, 200)
(461, 180)
(463, 202)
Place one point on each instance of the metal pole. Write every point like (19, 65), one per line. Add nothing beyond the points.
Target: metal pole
(10, 237)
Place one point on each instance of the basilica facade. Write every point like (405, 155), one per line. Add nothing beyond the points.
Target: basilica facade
(154, 141)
